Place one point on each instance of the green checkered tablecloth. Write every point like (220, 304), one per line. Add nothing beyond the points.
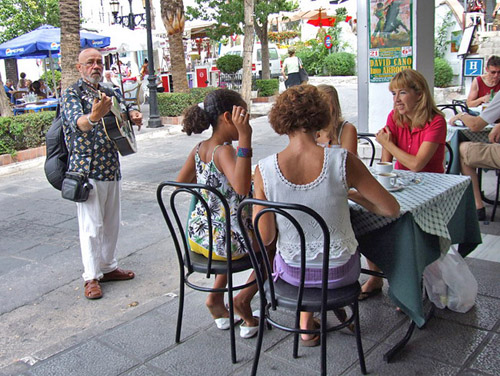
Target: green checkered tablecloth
(434, 214)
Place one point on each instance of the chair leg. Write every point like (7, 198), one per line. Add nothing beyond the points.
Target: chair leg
(357, 330)
(260, 336)
(296, 337)
(496, 198)
(231, 316)
(179, 312)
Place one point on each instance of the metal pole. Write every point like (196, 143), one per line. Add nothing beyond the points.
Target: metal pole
(131, 23)
(154, 117)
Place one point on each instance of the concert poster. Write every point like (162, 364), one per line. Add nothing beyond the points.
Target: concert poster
(390, 30)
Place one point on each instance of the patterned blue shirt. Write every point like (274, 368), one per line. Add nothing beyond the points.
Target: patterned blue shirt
(105, 162)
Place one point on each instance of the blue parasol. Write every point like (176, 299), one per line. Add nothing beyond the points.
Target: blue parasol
(45, 41)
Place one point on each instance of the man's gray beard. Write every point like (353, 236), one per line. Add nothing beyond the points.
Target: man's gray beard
(92, 80)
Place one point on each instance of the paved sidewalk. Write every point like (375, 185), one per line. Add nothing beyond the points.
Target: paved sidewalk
(451, 344)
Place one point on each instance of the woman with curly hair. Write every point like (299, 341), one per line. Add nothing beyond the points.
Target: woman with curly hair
(320, 178)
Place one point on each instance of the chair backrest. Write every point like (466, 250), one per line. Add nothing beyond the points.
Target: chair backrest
(448, 159)
(368, 137)
(179, 231)
(286, 210)
(132, 94)
(454, 107)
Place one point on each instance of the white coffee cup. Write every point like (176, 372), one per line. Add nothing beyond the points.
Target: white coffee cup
(387, 179)
(383, 167)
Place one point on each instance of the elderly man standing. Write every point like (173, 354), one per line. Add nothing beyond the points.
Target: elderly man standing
(95, 153)
(478, 154)
(483, 86)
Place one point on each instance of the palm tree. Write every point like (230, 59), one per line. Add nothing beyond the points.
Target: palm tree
(172, 14)
(70, 41)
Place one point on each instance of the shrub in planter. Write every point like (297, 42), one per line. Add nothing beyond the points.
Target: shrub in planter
(267, 88)
(443, 74)
(340, 64)
(229, 64)
(174, 104)
(24, 131)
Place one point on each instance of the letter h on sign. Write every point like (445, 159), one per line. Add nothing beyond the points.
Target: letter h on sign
(473, 67)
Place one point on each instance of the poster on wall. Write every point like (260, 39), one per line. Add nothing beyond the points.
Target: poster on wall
(390, 32)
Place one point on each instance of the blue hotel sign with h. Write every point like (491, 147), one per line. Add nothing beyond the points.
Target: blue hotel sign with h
(473, 67)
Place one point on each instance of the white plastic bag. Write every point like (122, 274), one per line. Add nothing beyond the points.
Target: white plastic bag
(449, 282)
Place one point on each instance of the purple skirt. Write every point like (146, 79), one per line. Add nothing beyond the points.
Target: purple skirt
(339, 276)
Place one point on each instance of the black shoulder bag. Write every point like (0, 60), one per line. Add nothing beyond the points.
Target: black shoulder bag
(76, 186)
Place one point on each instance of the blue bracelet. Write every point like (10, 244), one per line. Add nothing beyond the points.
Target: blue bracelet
(244, 152)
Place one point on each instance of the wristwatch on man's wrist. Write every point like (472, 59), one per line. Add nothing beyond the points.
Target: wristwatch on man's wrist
(92, 123)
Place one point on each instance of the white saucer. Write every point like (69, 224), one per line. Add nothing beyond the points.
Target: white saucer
(396, 188)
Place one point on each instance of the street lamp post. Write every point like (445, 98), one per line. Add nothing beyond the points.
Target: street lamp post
(126, 21)
(154, 117)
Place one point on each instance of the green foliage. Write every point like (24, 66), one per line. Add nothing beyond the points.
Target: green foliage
(174, 104)
(47, 78)
(313, 54)
(340, 64)
(335, 31)
(282, 36)
(228, 15)
(443, 74)
(24, 131)
(441, 41)
(19, 17)
(267, 88)
(230, 63)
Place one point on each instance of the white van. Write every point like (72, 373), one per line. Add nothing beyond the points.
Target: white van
(274, 59)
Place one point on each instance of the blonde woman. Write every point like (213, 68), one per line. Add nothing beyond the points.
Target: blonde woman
(339, 132)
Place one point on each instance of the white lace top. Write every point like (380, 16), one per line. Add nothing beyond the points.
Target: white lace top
(327, 195)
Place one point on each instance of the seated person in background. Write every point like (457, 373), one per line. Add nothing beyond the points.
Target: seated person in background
(36, 87)
(45, 89)
(415, 135)
(320, 178)
(339, 132)
(22, 85)
(477, 154)
(483, 86)
(144, 69)
(9, 88)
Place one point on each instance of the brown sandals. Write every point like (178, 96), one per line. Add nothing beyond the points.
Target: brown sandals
(93, 289)
(117, 275)
(314, 341)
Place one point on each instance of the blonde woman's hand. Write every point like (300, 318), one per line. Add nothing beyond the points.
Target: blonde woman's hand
(384, 136)
(241, 120)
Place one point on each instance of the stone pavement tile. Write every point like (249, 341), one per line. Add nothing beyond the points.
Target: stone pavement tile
(486, 273)
(484, 314)
(469, 372)
(144, 371)
(270, 366)
(442, 340)
(405, 363)
(203, 354)
(488, 360)
(142, 338)
(9, 263)
(88, 359)
(341, 352)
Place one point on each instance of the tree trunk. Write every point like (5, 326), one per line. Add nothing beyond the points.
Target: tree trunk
(246, 84)
(11, 71)
(70, 41)
(172, 14)
(261, 32)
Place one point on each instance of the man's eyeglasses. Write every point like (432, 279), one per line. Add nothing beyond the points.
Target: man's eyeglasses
(90, 64)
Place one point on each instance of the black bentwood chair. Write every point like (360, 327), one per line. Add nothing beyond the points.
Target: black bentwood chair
(190, 262)
(281, 294)
(448, 158)
(367, 137)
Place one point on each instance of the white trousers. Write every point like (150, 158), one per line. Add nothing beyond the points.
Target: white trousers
(99, 223)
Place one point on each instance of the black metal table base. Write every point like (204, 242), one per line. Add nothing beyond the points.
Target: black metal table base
(402, 343)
